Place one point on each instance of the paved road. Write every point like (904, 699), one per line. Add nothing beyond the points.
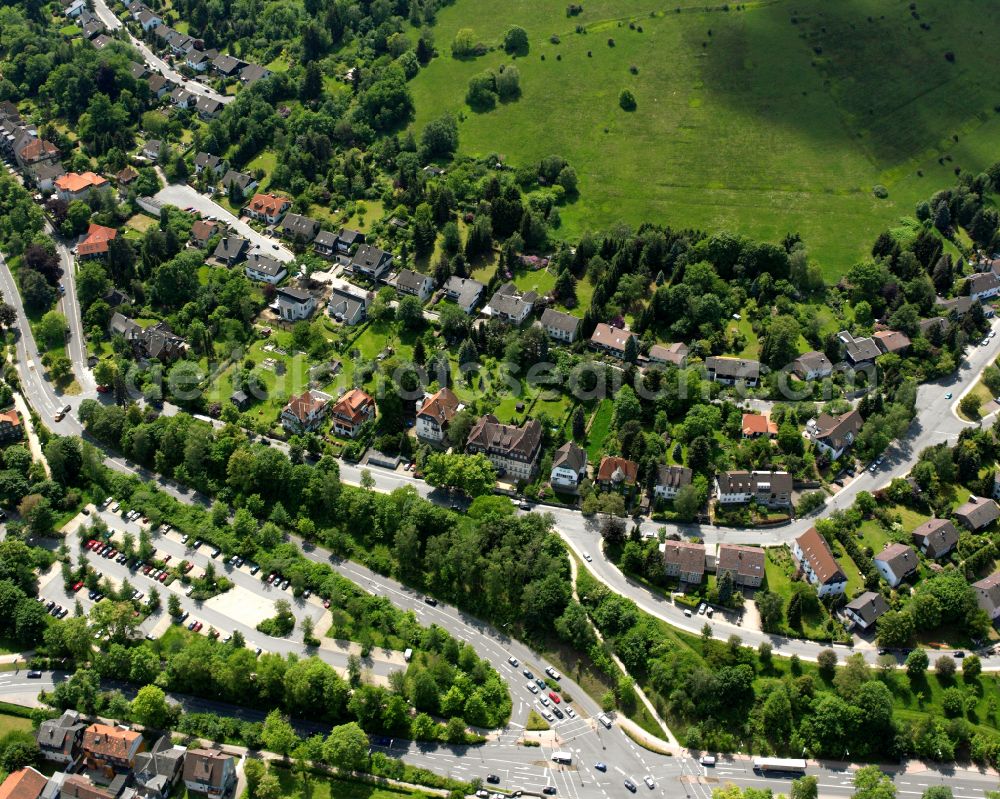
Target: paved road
(154, 61)
(76, 348)
(183, 196)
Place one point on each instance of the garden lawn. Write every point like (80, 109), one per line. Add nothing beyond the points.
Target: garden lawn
(9, 723)
(759, 117)
(322, 787)
(599, 429)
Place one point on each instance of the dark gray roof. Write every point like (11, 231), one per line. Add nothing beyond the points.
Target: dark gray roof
(265, 264)
(560, 321)
(230, 248)
(869, 606)
(570, 456)
(298, 295)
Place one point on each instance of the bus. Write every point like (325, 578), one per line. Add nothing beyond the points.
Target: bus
(779, 765)
(566, 758)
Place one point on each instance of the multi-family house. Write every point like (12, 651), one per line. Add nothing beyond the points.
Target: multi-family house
(569, 467)
(560, 326)
(59, 740)
(351, 411)
(834, 435)
(436, 413)
(817, 563)
(267, 208)
(209, 772)
(96, 241)
(983, 285)
(514, 451)
(78, 185)
(772, 489)
(745, 565)
(616, 473)
(305, 412)
(684, 560)
(110, 749)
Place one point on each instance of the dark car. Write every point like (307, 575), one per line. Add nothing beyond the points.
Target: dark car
(492, 778)
(34, 674)
(430, 601)
(549, 790)
(527, 673)
(630, 785)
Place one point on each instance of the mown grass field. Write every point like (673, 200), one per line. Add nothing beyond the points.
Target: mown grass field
(766, 117)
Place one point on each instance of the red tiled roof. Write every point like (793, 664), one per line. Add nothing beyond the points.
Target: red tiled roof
(38, 149)
(78, 181)
(354, 406)
(303, 406)
(268, 204)
(441, 407)
(97, 240)
(11, 416)
(756, 424)
(105, 741)
(24, 784)
(611, 464)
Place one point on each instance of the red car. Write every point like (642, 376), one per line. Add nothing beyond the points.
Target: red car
(188, 567)
(77, 586)
(166, 558)
(554, 697)
(103, 389)
(163, 577)
(147, 569)
(198, 626)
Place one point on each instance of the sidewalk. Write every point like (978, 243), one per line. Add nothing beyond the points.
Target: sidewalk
(34, 445)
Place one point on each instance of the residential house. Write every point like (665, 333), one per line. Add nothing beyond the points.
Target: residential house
(231, 250)
(684, 560)
(182, 98)
(464, 292)
(983, 285)
(349, 304)
(252, 73)
(892, 342)
(347, 239)
(896, 562)
(351, 411)
(866, 609)
(858, 351)
(510, 305)
(159, 86)
(95, 243)
(296, 227)
(435, 414)
(616, 473)
(812, 366)
(244, 182)
(988, 594)
(978, 513)
(730, 371)
(148, 20)
(11, 428)
(295, 304)
(205, 160)
(325, 243)
(208, 107)
(78, 185)
(203, 230)
(179, 43)
(514, 451)
(125, 178)
(305, 412)
(960, 306)
(25, 783)
(569, 467)
(265, 269)
(610, 340)
(199, 60)
(59, 739)
(157, 771)
(773, 489)
(670, 480)
(674, 354)
(936, 324)
(560, 326)
(371, 262)
(151, 149)
(75, 9)
(100, 41)
(758, 425)
(79, 786)
(227, 66)
(156, 341)
(415, 284)
(209, 772)
(37, 151)
(834, 435)
(745, 565)
(267, 208)
(45, 174)
(107, 748)
(820, 567)
(935, 538)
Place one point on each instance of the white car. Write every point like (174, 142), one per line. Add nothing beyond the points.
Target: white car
(513, 661)
(544, 700)
(533, 688)
(586, 557)
(649, 782)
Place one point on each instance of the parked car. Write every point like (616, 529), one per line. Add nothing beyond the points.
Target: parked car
(630, 785)
(513, 661)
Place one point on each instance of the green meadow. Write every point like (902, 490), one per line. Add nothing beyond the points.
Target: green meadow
(765, 117)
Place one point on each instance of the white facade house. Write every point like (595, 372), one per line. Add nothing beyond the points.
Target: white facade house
(896, 562)
(295, 304)
(818, 565)
(435, 414)
(569, 467)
